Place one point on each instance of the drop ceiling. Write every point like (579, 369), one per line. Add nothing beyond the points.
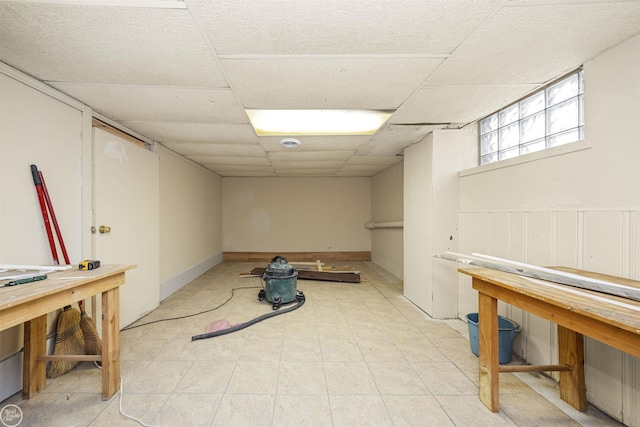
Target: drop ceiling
(181, 73)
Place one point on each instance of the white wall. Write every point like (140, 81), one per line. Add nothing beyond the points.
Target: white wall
(296, 214)
(191, 212)
(387, 206)
(576, 208)
(418, 216)
(431, 220)
(43, 128)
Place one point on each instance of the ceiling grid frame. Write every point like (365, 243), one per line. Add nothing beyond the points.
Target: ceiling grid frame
(185, 78)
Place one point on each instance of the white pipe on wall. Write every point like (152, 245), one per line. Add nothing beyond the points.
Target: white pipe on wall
(390, 224)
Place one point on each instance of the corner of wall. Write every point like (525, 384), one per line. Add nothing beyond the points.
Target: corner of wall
(168, 287)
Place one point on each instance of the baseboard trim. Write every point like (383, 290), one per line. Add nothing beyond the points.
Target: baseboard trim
(11, 370)
(169, 286)
(11, 374)
(299, 256)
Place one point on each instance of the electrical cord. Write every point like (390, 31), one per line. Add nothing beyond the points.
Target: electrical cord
(191, 315)
(299, 297)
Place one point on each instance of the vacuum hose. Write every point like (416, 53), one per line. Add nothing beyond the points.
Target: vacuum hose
(299, 296)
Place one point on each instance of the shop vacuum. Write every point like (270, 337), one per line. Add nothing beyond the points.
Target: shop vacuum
(279, 283)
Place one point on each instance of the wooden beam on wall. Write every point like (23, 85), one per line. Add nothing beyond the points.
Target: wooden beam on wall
(299, 256)
(117, 132)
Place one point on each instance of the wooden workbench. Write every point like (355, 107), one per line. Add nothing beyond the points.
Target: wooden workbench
(29, 304)
(612, 320)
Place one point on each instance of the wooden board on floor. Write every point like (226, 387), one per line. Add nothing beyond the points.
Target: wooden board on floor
(318, 275)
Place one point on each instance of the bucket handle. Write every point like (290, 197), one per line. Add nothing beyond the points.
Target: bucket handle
(278, 258)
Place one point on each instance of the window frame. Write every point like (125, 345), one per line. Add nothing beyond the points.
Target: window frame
(502, 131)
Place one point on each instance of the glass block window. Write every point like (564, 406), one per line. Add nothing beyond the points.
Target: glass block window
(552, 116)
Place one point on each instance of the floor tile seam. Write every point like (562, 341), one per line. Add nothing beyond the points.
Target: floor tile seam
(100, 412)
(245, 393)
(332, 408)
(326, 378)
(301, 394)
(390, 301)
(135, 373)
(416, 374)
(379, 395)
(488, 412)
(353, 394)
(226, 389)
(402, 355)
(184, 393)
(326, 384)
(275, 393)
(473, 380)
(456, 394)
(406, 394)
(376, 383)
(435, 398)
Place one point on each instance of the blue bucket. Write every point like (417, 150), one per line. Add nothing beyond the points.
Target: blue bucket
(508, 330)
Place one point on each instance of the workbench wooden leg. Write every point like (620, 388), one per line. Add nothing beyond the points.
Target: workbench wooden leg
(110, 343)
(572, 384)
(34, 373)
(488, 351)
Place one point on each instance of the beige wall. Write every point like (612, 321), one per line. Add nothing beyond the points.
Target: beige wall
(387, 206)
(44, 127)
(577, 208)
(37, 128)
(190, 214)
(296, 214)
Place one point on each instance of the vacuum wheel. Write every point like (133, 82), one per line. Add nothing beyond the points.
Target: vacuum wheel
(261, 295)
(276, 303)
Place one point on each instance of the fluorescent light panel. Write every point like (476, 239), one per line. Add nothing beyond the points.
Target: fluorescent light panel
(317, 122)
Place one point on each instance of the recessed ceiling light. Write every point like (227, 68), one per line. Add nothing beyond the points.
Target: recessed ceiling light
(317, 122)
(290, 142)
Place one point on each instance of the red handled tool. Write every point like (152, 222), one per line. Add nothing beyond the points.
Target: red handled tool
(37, 180)
(54, 219)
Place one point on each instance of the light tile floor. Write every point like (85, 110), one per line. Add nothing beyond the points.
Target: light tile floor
(352, 355)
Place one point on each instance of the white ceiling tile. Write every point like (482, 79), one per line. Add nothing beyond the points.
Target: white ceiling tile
(247, 168)
(360, 83)
(372, 161)
(307, 172)
(307, 164)
(534, 43)
(363, 167)
(69, 43)
(163, 73)
(361, 171)
(158, 103)
(337, 26)
(457, 104)
(247, 172)
(222, 161)
(317, 143)
(393, 139)
(295, 156)
(195, 150)
(182, 133)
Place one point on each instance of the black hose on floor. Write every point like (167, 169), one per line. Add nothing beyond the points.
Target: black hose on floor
(299, 296)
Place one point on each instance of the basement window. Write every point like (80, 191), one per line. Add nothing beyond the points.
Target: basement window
(552, 116)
